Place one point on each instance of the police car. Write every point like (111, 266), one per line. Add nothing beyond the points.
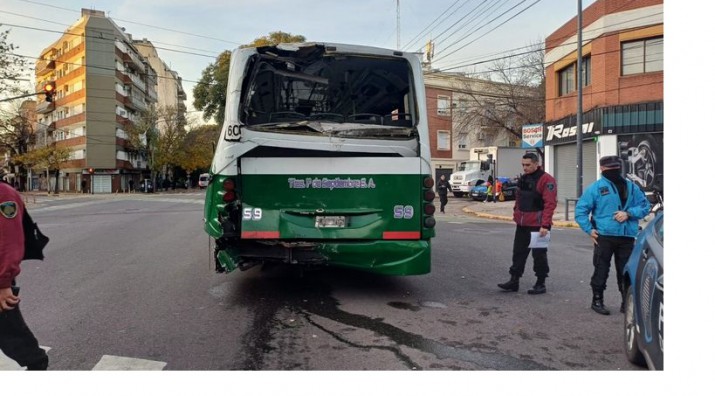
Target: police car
(643, 301)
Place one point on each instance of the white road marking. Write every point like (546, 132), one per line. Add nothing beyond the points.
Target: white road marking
(7, 364)
(109, 362)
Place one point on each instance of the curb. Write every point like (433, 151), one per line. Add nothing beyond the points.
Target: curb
(566, 224)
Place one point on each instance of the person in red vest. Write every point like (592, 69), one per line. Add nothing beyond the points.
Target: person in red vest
(16, 339)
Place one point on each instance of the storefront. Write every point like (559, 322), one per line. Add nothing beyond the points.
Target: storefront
(634, 132)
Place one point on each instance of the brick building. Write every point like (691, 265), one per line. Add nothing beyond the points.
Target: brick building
(622, 77)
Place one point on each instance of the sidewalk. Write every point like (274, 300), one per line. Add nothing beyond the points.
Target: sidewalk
(504, 211)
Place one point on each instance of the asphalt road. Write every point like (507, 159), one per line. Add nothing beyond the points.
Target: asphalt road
(131, 277)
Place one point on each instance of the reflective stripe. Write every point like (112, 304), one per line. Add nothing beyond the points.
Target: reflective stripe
(401, 235)
(260, 234)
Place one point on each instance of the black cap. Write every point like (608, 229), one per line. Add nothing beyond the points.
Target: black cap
(611, 161)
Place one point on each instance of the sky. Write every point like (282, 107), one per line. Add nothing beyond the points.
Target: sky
(189, 36)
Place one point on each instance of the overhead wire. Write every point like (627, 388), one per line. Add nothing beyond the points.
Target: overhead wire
(420, 35)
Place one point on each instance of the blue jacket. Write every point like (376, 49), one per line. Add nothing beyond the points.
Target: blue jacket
(601, 200)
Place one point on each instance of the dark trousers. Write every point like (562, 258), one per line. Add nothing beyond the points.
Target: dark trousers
(522, 238)
(442, 202)
(18, 342)
(608, 246)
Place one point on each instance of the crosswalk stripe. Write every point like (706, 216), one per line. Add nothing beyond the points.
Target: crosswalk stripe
(7, 364)
(106, 363)
(109, 362)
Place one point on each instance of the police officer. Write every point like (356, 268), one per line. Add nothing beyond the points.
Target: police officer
(533, 212)
(609, 211)
(16, 339)
(442, 187)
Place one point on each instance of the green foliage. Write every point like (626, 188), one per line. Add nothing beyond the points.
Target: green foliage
(274, 38)
(197, 148)
(210, 91)
(47, 157)
(159, 133)
(11, 67)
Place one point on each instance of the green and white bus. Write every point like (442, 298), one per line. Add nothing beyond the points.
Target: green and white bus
(323, 159)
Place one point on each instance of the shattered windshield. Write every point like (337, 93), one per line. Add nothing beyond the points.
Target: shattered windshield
(309, 90)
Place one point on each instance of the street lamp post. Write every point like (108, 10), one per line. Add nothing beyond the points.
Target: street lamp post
(579, 109)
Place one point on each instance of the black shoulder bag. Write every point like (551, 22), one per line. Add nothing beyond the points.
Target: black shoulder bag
(35, 240)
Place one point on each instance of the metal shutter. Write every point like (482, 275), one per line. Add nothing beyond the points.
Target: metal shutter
(565, 169)
(102, 184)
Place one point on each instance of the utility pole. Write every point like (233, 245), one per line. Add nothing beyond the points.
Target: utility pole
(398, 24)
(579, 109)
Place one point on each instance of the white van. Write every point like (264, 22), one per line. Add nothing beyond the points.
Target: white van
(203, 180)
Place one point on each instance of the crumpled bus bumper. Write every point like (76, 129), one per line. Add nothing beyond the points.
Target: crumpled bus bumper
(380, 257)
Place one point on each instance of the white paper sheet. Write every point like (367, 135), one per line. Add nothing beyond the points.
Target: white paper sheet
(538, 241)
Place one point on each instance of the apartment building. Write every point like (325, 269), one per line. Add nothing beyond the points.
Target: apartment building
(622, 79)
(169, 87)
(455, 104)
(102, 84)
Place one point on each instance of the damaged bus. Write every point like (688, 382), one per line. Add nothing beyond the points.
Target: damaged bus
(323, 159)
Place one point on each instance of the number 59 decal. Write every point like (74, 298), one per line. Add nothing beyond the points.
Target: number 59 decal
(403, 212)
(252, 214)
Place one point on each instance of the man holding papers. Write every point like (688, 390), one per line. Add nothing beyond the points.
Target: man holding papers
(533, 211)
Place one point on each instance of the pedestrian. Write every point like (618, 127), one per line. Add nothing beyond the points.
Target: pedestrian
(442, 187)
(497, 190)
(131, 185)
(16, 340)
(609, 211)
(490, 187)
(533, 212)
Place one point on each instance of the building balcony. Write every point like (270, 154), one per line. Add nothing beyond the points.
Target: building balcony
(71, 97)
(138, 103)
(70, 76)
(44, 66)
(70, 120)
(72, 52)
(45, 107)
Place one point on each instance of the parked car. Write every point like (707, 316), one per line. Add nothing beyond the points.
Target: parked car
(203, 180)
(479, 192)
(146, 186)
(643, 300)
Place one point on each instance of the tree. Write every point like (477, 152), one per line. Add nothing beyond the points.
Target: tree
(17, 135)
(158, 133)
(210, 91)
(514, 97)
(48, 158)
(197, 148)
(11, 67)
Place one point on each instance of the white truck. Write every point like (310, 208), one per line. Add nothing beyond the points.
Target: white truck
(505, 161)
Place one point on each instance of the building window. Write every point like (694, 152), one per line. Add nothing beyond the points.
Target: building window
(642, 56)
(586, 70)
(462, 141)
(443, 140)
(567, 76)
(443, 105)
(567, 80)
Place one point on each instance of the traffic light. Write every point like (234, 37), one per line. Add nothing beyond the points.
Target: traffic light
(49, 91)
